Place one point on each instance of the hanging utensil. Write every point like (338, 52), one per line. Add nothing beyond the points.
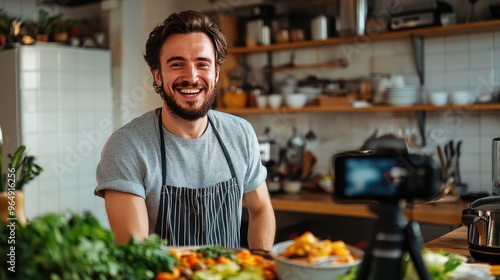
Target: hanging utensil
(457, 163)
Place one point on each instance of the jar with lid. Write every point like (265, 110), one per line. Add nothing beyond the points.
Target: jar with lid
(234, 97)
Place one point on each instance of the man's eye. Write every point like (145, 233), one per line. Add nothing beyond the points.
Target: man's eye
(176, 65)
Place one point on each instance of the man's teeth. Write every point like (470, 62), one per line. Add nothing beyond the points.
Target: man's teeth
(189, 91)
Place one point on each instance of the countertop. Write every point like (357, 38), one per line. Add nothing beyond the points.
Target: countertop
(453, 242)
(441, 213)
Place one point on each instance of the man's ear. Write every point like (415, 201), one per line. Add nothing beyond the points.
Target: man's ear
(217, 73)
(157, 77)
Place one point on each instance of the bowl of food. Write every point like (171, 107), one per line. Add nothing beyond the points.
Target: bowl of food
(314, 259)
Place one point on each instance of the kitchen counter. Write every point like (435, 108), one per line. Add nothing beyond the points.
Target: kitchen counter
(453, 242)
(446, 214)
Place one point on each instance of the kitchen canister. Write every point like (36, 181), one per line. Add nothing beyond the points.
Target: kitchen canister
(495, 166)
(319, 28)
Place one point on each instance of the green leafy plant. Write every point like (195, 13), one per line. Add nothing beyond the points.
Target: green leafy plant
(75, 246)
(45, 23)
(23, 166)
(4, 22)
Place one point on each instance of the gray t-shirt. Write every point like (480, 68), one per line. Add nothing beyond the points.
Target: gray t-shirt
(131, 159)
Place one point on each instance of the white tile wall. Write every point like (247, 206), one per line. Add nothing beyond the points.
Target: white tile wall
(66, 96)
(462, 62)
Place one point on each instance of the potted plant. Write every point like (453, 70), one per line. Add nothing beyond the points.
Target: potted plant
(22, 170)
(45, 25)
(4, 27)
(60, 30)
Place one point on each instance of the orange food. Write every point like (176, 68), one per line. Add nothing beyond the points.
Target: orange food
(175, 274)
(308, 248)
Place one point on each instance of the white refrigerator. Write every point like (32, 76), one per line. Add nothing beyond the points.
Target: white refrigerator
(58, 101)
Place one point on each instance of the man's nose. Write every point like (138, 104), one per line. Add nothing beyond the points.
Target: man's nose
(191, 74)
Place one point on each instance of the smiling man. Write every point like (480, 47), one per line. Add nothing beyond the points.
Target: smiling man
(182, 171)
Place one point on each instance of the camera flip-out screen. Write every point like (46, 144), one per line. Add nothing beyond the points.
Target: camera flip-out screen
(384, 177)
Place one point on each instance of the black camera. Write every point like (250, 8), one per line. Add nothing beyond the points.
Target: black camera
(385, 176)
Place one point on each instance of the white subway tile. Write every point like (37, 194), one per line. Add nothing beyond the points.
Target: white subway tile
(85, 61)
(68, 199)
(457, 60)
(434, 62)
(29, 59)
(496, 57)
(470, 162)
(49, 202)
(30, 80)
(481, 58)
(490, 123)
(68, 99)
(486, 164)
(482, 40)
(31, 142)
(49, 100)
(496, 39)
(49, 59)
(49, 79)
(434, 45)
(31, 197)
(49, 121)
(29, 100)
(456, 80)
(48, 143)
(85, 120)
(67, 80)
(487, 142)
(435, 80)
(470, 143)
(481, 81)
(456, 43)
(473, 180)
(68, 59)
(13, 8)
(85, 80)
(29, 122)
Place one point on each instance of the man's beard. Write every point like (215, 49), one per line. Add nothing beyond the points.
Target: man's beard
(190, 113)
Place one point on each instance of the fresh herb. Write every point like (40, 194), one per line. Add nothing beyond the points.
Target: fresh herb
(75, 246)
(214, 252)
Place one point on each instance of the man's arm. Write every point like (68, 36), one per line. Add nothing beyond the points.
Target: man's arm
(262, 223)
(127, 216)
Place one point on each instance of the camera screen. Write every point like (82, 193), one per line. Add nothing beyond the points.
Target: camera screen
(384, 177)
(377, 177)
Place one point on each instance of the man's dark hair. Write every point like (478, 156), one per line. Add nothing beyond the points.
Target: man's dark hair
(184, 23)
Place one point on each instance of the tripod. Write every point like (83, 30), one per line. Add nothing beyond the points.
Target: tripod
(391, 238)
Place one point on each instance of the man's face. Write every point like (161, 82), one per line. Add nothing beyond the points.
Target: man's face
(188, 74)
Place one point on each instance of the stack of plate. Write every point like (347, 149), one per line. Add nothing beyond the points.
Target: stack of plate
(402, 95)
(312, 92)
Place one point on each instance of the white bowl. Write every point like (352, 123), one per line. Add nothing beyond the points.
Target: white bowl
(461, 97)
(288, 269)
(438, 98)
(296, 100)
(292, 187)
(275, 100)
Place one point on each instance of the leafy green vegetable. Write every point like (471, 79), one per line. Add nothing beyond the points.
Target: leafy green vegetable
(215, 252)
(75, 246)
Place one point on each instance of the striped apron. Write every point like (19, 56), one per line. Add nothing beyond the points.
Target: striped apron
(199, 216)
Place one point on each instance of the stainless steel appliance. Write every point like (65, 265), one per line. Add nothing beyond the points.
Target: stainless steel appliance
(410, 13)
(482, 217)
(351, 18)
(495, 166)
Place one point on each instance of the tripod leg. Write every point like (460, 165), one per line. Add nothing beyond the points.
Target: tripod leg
(414, 246)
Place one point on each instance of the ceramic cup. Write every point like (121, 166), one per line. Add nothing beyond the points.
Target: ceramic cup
(261, 101)
(275, 100)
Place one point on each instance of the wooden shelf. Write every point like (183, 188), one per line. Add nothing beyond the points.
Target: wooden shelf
(375, 108)
(479, 26)
(340, 63)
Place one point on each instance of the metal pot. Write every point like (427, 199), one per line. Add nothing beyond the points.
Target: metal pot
(482, 217)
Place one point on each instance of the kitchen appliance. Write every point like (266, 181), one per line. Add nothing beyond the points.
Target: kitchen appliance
(482, 217)
(410, 14)
(257, 20)
(351, 17)
(319, 27)
(495, 167)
